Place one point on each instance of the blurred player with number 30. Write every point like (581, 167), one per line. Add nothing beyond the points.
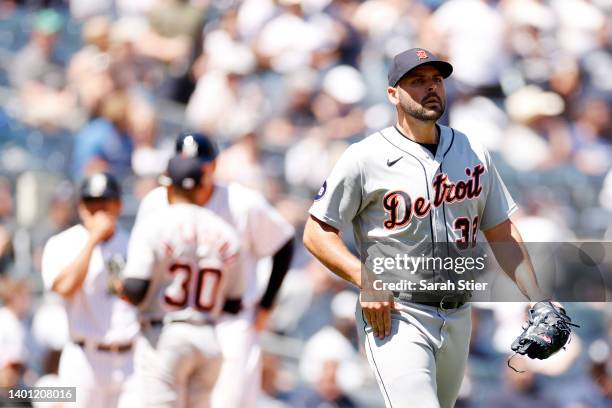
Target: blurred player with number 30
(183, 268)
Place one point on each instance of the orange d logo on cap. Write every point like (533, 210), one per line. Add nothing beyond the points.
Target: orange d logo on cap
(421, 54)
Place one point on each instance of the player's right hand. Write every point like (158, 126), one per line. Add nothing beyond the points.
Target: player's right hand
(101, 226)
(378, 316)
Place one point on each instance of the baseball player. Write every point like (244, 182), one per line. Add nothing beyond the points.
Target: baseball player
(183, 268)
(77, 264)
(263, 232)
(416, 182)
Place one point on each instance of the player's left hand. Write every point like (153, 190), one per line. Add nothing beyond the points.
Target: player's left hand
(261, 319)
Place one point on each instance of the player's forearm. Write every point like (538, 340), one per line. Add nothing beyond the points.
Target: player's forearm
(511, 254)
(526, 281)
(324, 242)
(71, 278)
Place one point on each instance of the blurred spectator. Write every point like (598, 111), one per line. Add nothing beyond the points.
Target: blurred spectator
(457, 28)
(537, 139)
(326, 392)
(315, 147)
(324, 286)
(36, 61)
(176, 18)
(592, 136)
(489, 129)
(131, 65)
(223, 47)
(273, 395)
(541, 219)
(579, 24)
(83, 9)
(226, 103)
(6, 226)
(482, 331)
(521, 390)
(597, 393)
(16, 298)
(148, 158)
(245, 151)
(88, 70)
(328, 359)
(38, 76)
(293, 39)
(337, 107)
(173, 38)
(350, 39)
(104, 143)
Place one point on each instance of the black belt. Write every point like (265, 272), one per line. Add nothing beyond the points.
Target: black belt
(447, 302)
(160, 322)
(444, 304)
(110, 348)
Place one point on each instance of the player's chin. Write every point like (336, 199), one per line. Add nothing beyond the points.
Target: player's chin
(432, 113)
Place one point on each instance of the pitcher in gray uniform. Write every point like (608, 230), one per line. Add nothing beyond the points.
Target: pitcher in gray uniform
(416, 182)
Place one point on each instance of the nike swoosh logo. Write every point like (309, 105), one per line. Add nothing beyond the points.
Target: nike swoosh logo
(391, 163)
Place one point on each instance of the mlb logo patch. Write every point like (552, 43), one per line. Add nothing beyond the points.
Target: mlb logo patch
(421, 54)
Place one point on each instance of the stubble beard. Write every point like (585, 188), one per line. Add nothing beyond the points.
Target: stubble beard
(421, 113)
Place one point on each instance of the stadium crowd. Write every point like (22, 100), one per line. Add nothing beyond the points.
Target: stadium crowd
(284, 86)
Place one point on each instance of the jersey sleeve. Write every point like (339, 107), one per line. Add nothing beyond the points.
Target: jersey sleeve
(141, 254)
(154, 200)
(232, 268)
(340, 196)
(268, 230)
(499, 204)
(54, 259)
(231, 264)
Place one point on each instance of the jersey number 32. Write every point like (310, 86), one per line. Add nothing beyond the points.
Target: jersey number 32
(206, 286)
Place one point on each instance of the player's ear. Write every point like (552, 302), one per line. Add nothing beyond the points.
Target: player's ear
(392, 95)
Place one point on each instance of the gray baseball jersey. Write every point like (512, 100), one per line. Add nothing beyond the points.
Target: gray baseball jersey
(393, 189)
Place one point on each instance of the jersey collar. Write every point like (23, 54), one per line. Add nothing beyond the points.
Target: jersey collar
(401, 142)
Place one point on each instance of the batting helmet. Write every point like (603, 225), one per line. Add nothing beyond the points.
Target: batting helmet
(100, 185)
(195, 144)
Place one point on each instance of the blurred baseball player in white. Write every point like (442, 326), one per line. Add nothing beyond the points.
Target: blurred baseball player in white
(263, 232)
(78, 264)
(183, 268)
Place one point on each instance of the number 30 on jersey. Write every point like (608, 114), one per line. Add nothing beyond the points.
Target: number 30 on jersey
(177, 294)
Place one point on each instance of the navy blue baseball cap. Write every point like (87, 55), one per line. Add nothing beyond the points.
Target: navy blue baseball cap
(184, 172)
(100, 186)
(196, 144)
(406, 61)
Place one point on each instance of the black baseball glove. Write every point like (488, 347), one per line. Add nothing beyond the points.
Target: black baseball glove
(547, 332)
